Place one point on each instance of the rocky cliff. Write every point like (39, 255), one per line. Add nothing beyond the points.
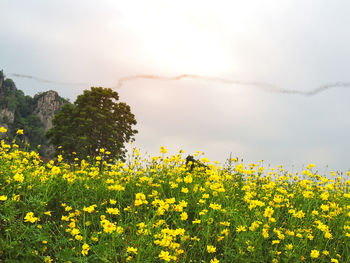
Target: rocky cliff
(33, 115)
(47, 105)
(6, 117)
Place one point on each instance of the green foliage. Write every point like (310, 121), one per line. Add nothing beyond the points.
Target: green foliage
(15, 101)
(96, 120)
(160, 210)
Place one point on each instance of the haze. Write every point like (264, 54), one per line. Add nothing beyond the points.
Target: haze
(293, 45)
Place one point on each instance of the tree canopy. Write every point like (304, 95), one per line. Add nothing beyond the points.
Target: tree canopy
(95, 121)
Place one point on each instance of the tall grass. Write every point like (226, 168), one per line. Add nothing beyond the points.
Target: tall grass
(157, 210)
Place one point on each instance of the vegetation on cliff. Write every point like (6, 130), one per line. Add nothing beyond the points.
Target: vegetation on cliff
(18, 111)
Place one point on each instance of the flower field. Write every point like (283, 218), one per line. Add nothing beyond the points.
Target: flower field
(159, 210)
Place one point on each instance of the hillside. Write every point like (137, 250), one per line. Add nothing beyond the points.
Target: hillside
(32, 114)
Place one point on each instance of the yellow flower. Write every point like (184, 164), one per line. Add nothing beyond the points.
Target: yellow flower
(324, 196)
(188, 179)
(164, 255)
(78, 237)
(48, 213)
(48, 259)
(163, 150)
(112, 201)
(314, 212)
(265, 232)
(289, 246)
(214, 260)
(30, 218)
(3, 130)
(108, 227)
(131, 250)
(314, 253)
(211, 249)
(299, 214)
(241, 229)
(328, 235)
(184, 216)
(19, 132)
(75, 231)
(85, 250)
(308, 194)
(114, 211)
(3, 197)
(268, 211)
(309, 236)
(196, 221)
(119, 230)
(184, 190)
(225, 232)
(65, 218)
(90, 209)
(325, 208)
(215, 206)
(18, 177)
(140, 199)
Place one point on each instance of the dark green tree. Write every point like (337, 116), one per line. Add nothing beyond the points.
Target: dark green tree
(96, 120)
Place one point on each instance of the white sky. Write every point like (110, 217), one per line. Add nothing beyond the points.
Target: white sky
(291, 44)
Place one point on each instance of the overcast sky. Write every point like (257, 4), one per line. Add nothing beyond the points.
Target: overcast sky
(294, 45)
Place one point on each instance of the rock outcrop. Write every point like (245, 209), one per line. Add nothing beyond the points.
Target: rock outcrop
(33, 115)
(47, 105)
(1, 78)
(6, 117)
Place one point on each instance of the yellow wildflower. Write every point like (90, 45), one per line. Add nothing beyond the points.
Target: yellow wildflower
(131, 250)
(114, 211)
(314, 253)
(47, 259)
(268, 211)
(241, 229)
(18, 177)
(85, 250)
(164, 255)
(211, 249)
(90, 209)
(163, 149)
(184, 216)
(30, 218)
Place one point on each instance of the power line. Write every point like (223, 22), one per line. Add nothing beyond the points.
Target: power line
(262, 85)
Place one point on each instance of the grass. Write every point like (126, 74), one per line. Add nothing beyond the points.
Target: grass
(157, 210)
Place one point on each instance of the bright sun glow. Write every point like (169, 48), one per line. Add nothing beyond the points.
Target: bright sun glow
(176, 39)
